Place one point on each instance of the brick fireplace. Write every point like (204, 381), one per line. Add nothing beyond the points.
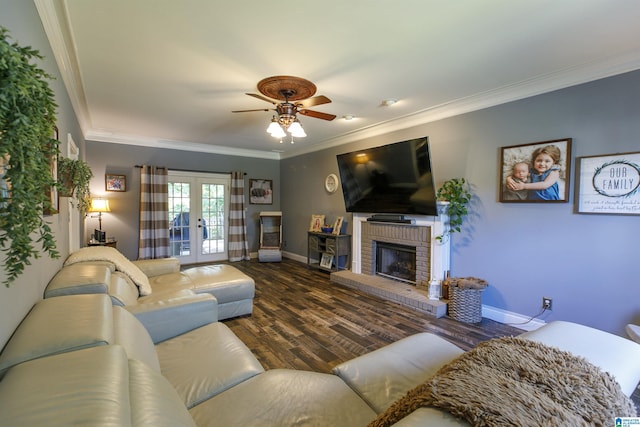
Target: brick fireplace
(373, 234)
(432, 256)
(431, 260)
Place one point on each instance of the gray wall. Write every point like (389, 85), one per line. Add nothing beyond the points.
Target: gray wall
(122, 222)
(22, 20)
(586, 263)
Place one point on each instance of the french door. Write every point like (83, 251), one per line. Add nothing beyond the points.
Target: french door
(198, 212)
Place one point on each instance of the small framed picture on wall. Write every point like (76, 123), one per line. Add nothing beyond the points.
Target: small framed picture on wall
(261, 191)
(115, 182)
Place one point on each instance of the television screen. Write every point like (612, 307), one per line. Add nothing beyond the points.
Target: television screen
(394, 178)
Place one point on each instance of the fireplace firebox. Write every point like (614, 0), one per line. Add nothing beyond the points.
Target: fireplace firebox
(396, 262)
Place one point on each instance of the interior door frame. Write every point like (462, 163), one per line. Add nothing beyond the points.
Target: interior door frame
(73, 152)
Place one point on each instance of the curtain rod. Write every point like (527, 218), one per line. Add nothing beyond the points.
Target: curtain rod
(189, 170)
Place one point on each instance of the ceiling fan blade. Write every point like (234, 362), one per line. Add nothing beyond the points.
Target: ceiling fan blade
(317, 114)
(255, 95)
(248, 111)
(316, 100)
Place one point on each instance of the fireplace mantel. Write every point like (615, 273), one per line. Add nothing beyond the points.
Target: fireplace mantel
(439, 254)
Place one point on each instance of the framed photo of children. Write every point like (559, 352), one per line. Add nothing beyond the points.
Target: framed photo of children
(115, 182)
(536, 172)
(609, 184)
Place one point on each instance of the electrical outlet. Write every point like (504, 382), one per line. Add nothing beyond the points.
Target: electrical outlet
(546, 303)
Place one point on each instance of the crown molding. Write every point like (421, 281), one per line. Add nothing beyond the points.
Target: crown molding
(53, 14)
(141, 141)
(584, 73)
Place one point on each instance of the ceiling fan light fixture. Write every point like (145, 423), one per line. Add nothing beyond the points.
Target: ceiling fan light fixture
(273, 126)
(278, 132)
(295, 129)
(297, 95)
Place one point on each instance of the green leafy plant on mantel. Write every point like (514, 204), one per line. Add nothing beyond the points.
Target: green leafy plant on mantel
(74, 177)
(454, 196)
(27, 124)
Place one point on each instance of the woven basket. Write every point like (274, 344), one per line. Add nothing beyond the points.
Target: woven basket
(465, 305)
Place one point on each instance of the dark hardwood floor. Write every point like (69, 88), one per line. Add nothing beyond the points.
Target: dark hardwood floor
(303, 321)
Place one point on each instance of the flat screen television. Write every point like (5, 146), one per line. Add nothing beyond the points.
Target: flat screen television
(390, 179)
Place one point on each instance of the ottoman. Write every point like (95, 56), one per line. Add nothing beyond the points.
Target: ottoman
(233, 289)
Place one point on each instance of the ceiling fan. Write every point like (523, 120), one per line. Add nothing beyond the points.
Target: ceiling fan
(297, 94)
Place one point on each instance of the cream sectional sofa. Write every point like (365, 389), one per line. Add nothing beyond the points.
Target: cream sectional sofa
(151, 288)
(81, 360)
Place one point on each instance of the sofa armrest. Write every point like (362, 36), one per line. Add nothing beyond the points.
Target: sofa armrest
(385, 375)
(173, 316)
(156, 267)
(611, 353)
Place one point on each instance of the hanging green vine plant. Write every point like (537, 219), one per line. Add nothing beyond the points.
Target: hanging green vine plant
(27, 123)
(74, 177)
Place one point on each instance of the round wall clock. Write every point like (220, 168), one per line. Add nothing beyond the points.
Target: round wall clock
(331, 182)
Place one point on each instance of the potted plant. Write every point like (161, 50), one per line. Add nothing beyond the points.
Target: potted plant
(27, 147)
(73, 181)
(454, 196)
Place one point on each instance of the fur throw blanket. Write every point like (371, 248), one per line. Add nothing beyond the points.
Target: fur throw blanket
(518, 382)
(105, 253)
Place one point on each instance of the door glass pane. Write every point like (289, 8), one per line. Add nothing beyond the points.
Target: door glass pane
(179, 208)
(213, 218)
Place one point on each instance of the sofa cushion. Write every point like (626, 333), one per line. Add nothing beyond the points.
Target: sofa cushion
(205, 362)
(158, 266)
(385, 375)
(225, 282)
(282, 397)
(154, 401)
(168, 281)
(122, 290)
(59, 325)
(91, 387)
(88, 387)
(132, 335)
(79, 279)
(173, 313)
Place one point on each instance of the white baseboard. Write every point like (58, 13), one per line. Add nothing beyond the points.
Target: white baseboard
(294, 257)
(516, 320)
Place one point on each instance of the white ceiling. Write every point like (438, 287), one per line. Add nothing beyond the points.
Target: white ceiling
(168, 73)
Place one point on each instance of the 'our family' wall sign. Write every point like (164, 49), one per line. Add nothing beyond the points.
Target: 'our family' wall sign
(609, 184)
